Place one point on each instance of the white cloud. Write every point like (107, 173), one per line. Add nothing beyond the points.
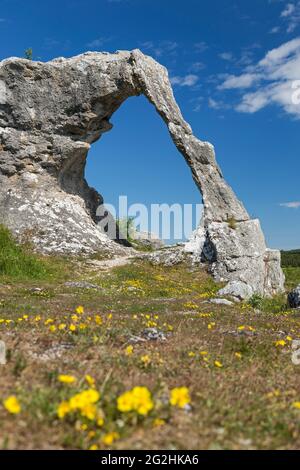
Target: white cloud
(246, 80)
(273, 80)
(213, 104)
(275, 30)
(97, 43)
(197, 66)
(289, 9)
(226, 56)
(201, 46)
(160, 48)
(291, 205)
(291, 14)
(187, 80)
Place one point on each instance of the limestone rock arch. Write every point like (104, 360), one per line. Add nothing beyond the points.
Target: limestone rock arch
(50, 114)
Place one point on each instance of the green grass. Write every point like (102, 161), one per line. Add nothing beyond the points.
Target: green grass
(18, 262)
(292, 275)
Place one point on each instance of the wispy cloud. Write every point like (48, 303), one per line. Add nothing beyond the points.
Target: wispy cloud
(246, 80)
(197, 66)
(272, 80)
(228, 56)
(213, 104)
(98, 42)
(291, 205)
(291, 14)
(186, 80)
(160, 48)
(200, 46)
(275, 30)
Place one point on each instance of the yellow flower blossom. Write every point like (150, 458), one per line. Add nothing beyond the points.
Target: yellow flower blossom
(12, 405)
(138, 399)
(218, 364)
(146, 360)
(296, 405)
(79, 310)
(93, 447)
(280, 343)
(129, 350)
(63, 409)
(89, 411)
(98, 320)
(110, 438)
(180, 397)
(90, 380)
(67, 379)
(158, 422)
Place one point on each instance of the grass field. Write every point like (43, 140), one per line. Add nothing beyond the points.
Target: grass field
(223, 377)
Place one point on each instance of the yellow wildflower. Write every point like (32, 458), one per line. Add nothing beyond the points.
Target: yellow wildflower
(63, 409)
(180, 397)
(280, 343)
(80, 310)
(138, 399)
(90, 380)
(12, 405)
(89, 411)
(158, 422)
(296, 405)
(94, 447)
(110, 438)
(218, 364)
(129, 350)
(146, 360)
(98, 320)
(66, 379)
(87, 397)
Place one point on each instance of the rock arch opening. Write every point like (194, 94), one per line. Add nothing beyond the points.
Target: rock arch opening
(138, 161)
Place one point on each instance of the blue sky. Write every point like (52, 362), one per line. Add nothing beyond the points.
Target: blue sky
(232, 65)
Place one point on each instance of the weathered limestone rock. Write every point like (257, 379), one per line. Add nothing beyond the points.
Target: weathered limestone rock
(147, 240)
(50, 114)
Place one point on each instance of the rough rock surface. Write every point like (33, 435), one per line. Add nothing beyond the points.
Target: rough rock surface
(50, 114)
(294, 298)
(148, 239)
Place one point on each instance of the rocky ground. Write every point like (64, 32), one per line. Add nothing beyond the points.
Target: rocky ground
(214, 375)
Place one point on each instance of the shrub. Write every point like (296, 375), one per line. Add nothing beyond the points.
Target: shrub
(28, 54)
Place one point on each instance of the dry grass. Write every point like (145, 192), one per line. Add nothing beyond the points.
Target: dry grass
(247, 403)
